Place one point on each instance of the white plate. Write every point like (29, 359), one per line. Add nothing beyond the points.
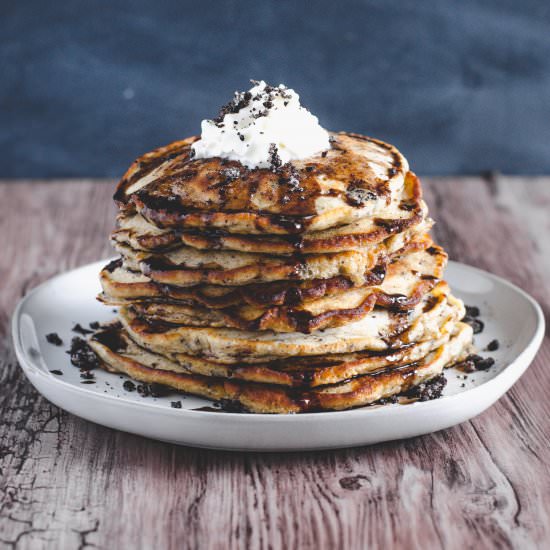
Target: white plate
(509, 314)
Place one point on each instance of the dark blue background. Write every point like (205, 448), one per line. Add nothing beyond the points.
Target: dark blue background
(459, 86)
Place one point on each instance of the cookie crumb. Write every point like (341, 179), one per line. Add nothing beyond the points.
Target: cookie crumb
(152, 390)
(82, 355)
(79, 329)
(432, 389)
(475, 362)
(387, 400)
(477, 324)
(493, 345)
(53, 338)
(485, 364)
(275, 161)
(472, 311)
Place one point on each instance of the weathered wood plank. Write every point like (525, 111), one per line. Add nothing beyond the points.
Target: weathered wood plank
(67, 483)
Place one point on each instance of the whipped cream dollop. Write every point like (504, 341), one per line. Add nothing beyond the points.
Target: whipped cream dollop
(262, 127)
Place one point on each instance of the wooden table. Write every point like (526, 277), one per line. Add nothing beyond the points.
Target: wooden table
(67, 483)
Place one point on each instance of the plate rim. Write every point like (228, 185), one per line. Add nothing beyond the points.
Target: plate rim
(31, 370)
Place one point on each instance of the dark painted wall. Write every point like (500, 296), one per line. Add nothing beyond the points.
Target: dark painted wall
(459, 86)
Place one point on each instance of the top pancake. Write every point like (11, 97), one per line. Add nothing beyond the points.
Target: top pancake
(356, 178)
(406, 209)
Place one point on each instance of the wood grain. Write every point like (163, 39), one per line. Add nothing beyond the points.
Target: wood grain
(67, 483)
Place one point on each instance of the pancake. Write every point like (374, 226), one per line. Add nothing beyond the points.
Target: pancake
(136, 232)
(119, 283)
(187, 266)
(355, 179)
(304, 372)
(373, 332)
(407, 280)
(145, 366)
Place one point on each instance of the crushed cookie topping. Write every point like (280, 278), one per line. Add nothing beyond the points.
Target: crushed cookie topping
(275, 162)
(231, 174)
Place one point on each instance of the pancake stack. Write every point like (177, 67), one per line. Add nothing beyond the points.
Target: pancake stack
(307, 286)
